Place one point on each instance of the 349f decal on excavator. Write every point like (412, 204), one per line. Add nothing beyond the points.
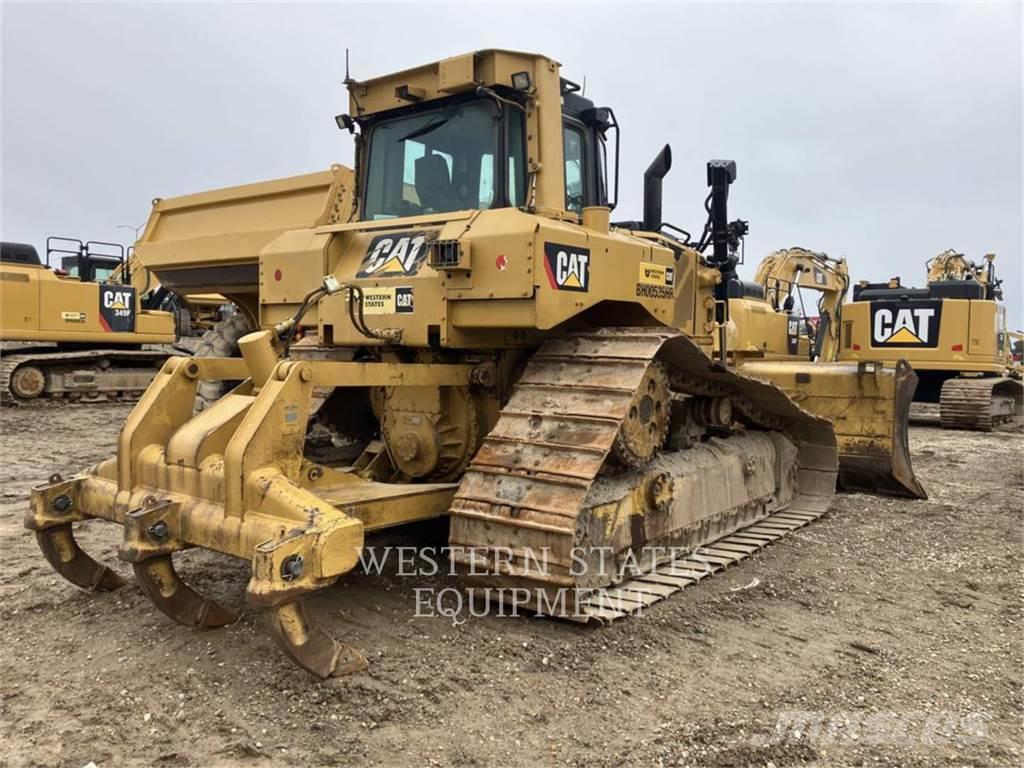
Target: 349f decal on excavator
(905, 324)
(396, 254)
(117, 308)
(567, 267)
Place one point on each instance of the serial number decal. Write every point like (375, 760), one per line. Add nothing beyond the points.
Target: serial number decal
(387, 301)
(567, 267)
(396, 254)
(654, 291)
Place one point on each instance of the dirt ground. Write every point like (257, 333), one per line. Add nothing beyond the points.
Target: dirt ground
(887, 633)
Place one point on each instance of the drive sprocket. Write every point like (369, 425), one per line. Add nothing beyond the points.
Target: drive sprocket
(645, 427)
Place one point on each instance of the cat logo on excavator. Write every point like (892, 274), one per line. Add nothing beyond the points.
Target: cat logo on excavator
(905, 325)
(117, 308)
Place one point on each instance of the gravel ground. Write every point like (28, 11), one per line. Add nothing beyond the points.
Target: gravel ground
(887, 633)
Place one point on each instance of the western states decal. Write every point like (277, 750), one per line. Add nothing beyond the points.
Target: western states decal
(655, 281)
(567, 267)
(117, 308)
(387, 301)
(902, 324)
(396, 254)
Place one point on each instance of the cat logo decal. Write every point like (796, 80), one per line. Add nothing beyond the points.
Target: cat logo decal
(567, 267)
(913, 324)
(396, 254)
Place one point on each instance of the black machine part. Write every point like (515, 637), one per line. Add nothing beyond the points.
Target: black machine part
(653, 176)
(725, 237)
(20, 253)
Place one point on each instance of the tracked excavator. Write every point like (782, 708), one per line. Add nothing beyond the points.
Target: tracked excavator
(772, 334)
(77, 326)
(953, 332)
(506, 355)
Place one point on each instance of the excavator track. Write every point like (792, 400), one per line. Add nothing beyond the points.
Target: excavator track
(532, 483)
(80, 376)
(981, 404)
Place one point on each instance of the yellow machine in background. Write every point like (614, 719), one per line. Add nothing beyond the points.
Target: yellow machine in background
(954, 334)
(770, 319)
(72, 331)
(492, 341)
(1015, 353)
(771, 334)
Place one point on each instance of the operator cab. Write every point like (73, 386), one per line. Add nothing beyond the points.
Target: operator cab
(92, 261)
(429, 154)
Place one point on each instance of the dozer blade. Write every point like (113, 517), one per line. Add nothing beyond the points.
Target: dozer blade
(870, 408)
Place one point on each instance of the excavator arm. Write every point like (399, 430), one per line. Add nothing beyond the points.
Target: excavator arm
(784, 272)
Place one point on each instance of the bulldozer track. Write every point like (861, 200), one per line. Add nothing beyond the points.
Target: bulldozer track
(980, 404)
(634, 595)
(528, 483)
(44, 359)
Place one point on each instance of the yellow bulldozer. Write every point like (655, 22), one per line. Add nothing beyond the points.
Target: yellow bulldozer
(772, 334)
(79, 327)
(461, 308)
(953, 332)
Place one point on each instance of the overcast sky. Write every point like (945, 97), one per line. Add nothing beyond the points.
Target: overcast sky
(885, 133)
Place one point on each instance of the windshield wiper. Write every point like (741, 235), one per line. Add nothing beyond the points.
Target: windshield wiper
(428, 128)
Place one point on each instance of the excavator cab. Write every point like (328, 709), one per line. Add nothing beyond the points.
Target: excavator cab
(91, 261)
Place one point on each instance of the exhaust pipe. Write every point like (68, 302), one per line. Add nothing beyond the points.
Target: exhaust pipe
(652, 188)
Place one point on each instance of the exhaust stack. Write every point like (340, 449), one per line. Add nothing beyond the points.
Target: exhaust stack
(652, 188)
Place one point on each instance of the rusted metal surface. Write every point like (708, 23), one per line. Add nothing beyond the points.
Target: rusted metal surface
(308, 645)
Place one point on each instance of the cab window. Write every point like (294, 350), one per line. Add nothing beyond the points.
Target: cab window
(572, 148)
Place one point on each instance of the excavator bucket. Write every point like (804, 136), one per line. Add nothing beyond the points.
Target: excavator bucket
(869, 406)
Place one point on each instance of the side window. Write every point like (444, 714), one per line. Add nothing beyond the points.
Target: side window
(602, 171)
(70, 265)
(486, 188)
(572, 147)
(102, 274)
(516, 178)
